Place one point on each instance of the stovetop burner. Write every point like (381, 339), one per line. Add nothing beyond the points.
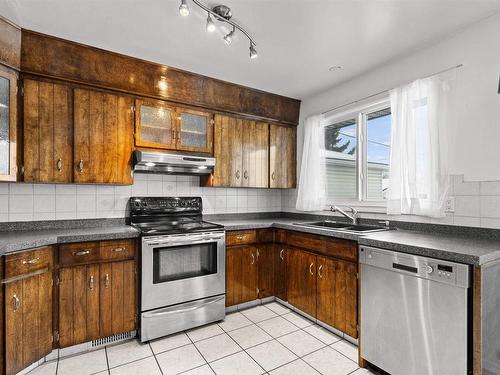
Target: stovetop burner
(168, 215)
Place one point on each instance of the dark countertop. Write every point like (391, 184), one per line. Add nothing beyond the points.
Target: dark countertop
(27, 239)
(452, 247)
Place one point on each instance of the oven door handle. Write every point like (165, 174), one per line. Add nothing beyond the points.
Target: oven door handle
(174, 310)
(185, 240)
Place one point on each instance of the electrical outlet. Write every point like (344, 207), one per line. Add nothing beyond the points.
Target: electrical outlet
(449, 204)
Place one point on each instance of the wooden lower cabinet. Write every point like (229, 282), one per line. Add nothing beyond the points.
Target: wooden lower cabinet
(266, 270)
(280, 271)
(28, 316)
(302, 280)
(337, 294)
(95, 301)
(241, 274)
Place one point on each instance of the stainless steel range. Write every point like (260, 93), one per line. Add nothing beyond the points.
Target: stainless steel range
(182, 265)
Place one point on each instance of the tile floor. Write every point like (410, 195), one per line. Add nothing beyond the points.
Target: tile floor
(266, 339)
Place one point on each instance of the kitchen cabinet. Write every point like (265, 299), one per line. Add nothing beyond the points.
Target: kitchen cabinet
(8, 124)
(280, 270)
(241, 148)
(28, 285)
(162, 126)
(47, 132)
(337, 294)
(241, 274)
(103, 137)
(97, 290)
(266, 270)
(282, 156)
(302, 280)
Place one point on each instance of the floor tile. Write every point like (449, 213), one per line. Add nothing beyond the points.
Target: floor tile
(271, 355)
(330, 362)
(277, 326)
(301, 343)
(278, 308)
(169, 342)
(217, 347)
(347, 349)
(127, 352)
(240, 363)
(202, 370)
(48, 368)
(234, 321)
(83, 364)
(141, 367)
(258, 313)
(322, 334)
(180, 359)
(364, 371)
(298, 320)
(249, 336)
(204, 332)
(298, 367)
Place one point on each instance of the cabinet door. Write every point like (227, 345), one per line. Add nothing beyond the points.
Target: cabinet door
(280, 271)
(232, 269)
(155, 125)
(194, 131)
(255, 154)
(48, 132)
(103, 134)
(117, 298)
(302, 280)
(228, 148)
(337, 294)
(8, 125)
(28, 316)
(282, 156)
(241, 274)
(266, 271)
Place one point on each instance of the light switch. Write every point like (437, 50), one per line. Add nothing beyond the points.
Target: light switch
(449, 204)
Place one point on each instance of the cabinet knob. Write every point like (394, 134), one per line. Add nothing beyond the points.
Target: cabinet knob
(118, 249)
(80, 166)
(273, 176)
(81, 253)
(106, 281)
(282, 255)
(310, 268)
(17, 302)
(245, 175)
(319, 271)
(31, 261)
(59, 164)
(238, 174)
(253, 259)
(91, 283)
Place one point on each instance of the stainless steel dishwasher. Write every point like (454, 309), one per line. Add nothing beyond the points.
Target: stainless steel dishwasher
(414, 313)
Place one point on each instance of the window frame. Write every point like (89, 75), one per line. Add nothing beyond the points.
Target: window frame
(359, 113)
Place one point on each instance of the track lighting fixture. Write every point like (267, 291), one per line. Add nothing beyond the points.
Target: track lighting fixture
(221, 13)
(228, 38)
(184, 9)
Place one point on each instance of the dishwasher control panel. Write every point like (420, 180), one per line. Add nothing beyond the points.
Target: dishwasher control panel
(423, 267)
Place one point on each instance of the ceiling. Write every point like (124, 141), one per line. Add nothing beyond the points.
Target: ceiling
(297, 40)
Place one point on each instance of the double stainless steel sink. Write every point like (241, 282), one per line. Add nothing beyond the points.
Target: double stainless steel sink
(345, 227)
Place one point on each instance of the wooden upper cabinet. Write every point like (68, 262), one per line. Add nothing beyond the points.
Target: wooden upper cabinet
(8, 124)
(155, 125)
(103, 137)
(282, 154)
(195, 131)
(48, 132)
(255, 154)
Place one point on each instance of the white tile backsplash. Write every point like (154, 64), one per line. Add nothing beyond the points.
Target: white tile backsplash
(20, 202)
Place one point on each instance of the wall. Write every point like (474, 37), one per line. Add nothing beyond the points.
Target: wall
(26, 202)
(475, 138)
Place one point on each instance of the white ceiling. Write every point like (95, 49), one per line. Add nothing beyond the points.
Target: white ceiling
(297, 40)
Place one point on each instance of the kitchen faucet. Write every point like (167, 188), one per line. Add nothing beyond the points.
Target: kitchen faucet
(353, 216)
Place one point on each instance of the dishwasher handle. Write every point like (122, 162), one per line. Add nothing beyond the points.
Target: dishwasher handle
(403, 267)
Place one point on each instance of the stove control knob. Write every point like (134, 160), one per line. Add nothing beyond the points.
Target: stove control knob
(429, 269)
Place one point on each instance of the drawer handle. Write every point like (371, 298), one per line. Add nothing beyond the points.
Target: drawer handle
(253, 259)
(310, 268)
(106, 281)
(80, 166)
(319, 271)
(59, 164)
(17, 302)
(118, 249)
(31, 261)
(240, 238)
(81, 253)
(282, 255)
(91, 283)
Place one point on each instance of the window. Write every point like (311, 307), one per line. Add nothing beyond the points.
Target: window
(357, 154)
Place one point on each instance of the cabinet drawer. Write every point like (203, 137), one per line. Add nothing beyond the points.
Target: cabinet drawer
(280, 236)
(77, 253)
(265, 235)
(28, 261)
(241, 237)
(329, 246)
(117, 250)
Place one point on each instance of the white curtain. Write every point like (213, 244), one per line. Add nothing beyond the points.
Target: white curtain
(419, 178)
(312, 188)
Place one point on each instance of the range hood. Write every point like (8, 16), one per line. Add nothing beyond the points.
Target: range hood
(168, 163)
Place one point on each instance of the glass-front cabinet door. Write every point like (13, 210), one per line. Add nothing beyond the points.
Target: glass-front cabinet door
(8, 124)
(195, 130)
(155, 125)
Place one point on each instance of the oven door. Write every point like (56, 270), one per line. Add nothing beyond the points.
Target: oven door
(182, 267)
